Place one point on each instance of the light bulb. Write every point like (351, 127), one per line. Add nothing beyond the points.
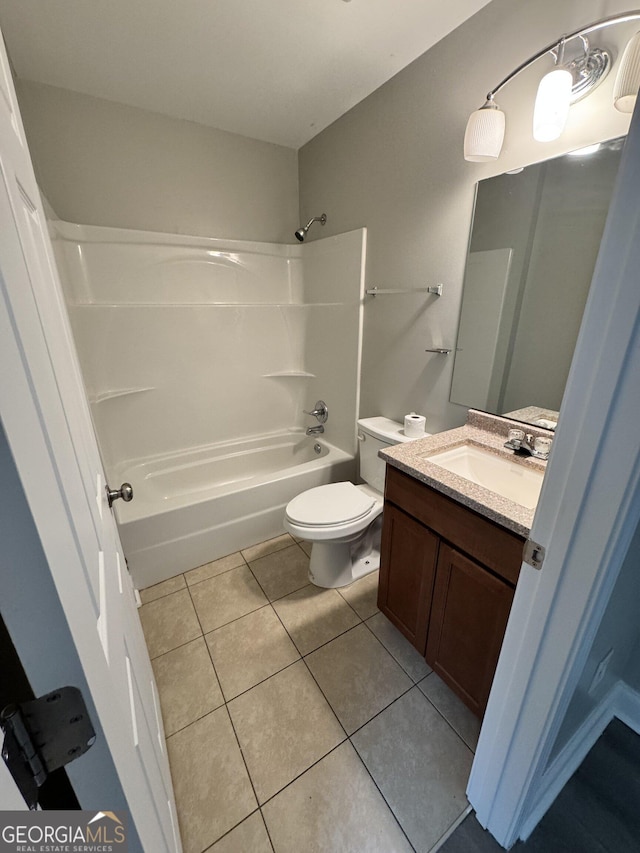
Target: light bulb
(552, 105)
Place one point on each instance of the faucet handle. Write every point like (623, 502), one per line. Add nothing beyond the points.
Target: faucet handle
(515, 437)
(321, 412)
(542, 446)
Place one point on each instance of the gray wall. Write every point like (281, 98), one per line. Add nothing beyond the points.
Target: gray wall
(102, 163)
(394, 164)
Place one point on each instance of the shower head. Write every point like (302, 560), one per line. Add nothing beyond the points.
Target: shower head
(301, 233)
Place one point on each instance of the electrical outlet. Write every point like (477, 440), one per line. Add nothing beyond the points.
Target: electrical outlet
(598, 675)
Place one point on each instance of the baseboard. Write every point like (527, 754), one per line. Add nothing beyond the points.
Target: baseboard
(571, 757)
(627, 708)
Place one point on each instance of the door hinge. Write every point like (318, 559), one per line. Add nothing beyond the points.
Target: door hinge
(43, 735)
(533, 554)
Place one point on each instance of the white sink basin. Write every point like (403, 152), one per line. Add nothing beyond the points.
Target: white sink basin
(508, 479)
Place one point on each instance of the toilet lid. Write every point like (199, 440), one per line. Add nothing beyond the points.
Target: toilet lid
(335, 503)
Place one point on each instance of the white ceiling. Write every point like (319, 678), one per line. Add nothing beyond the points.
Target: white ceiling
(276, 70)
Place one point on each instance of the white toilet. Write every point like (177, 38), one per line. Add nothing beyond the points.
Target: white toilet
(344, 521)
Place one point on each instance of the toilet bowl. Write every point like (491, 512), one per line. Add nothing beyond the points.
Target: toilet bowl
(343, 520)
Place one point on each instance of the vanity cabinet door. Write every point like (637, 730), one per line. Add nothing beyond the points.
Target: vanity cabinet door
(409, 552)
(468, 620)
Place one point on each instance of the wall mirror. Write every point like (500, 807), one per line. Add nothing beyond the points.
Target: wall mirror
(533, 247)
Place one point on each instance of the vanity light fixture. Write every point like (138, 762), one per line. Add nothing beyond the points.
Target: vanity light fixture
(563, 85)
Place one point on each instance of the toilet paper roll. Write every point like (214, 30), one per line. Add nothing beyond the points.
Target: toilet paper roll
(414, 425)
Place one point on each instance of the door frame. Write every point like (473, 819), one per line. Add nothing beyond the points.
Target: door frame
(588, 511)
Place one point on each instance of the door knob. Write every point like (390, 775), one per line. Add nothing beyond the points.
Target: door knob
(125, 492)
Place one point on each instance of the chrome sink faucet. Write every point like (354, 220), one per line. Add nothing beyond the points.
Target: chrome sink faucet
(525, 444)
(321, 414)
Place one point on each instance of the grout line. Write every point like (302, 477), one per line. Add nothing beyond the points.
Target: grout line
(280, 597)
(333, 711)
(264, 822)
(269, 553)
(162, 597)
(347, 737)
(326, 643)
(164, 594)
(244, 760)
(445, 718)
(242, 565)
(262, 681)
(302, 657)
(229, 831)
(196, 720)
(395, 817)
(237, 618)
(306, 770)
(286, 595)
(179, 646)
(399, 662)
(382, 710)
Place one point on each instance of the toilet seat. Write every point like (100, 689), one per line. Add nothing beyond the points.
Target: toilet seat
(332, 505)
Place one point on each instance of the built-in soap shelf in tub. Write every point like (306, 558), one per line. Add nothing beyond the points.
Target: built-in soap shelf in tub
(289, 374)
(114, 393)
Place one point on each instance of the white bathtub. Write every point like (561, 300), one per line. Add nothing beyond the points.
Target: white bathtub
(198, 505)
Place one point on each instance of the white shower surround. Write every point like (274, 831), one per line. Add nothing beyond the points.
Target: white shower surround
(199, 355)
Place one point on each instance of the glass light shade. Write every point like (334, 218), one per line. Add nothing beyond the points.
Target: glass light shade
(484, 135)
(552, 105)
(627, 83)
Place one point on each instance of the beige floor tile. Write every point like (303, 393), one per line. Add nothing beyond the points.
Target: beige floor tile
(452, 709)
(358, 676)
(161, 589)
(217, 567)
(213, 791)
(399, 647)
(249, 650)
(362, 595)
(333, 808)
(169, 622)
(420, 765)
(284, 725)
(267, 547)
(306, 546)
(250, 836)
(187, 685)
(313, 616)
(226, 597)
(282, 572)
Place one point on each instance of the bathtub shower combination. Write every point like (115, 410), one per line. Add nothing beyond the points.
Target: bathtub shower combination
(199, 356)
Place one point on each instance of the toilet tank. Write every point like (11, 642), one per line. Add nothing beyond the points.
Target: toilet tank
(374, 434)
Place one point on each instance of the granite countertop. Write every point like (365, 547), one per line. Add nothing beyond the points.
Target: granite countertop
(486, 431)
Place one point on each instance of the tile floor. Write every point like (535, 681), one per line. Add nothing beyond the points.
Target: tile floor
(297, 718)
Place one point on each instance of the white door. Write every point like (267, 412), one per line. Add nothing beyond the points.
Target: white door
(47, 422)
(588, 511)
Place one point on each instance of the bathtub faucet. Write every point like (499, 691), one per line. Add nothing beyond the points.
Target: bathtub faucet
(320, 413)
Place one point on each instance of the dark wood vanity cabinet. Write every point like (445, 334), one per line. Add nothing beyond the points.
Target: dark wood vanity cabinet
(405, 592)
(447, 579)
